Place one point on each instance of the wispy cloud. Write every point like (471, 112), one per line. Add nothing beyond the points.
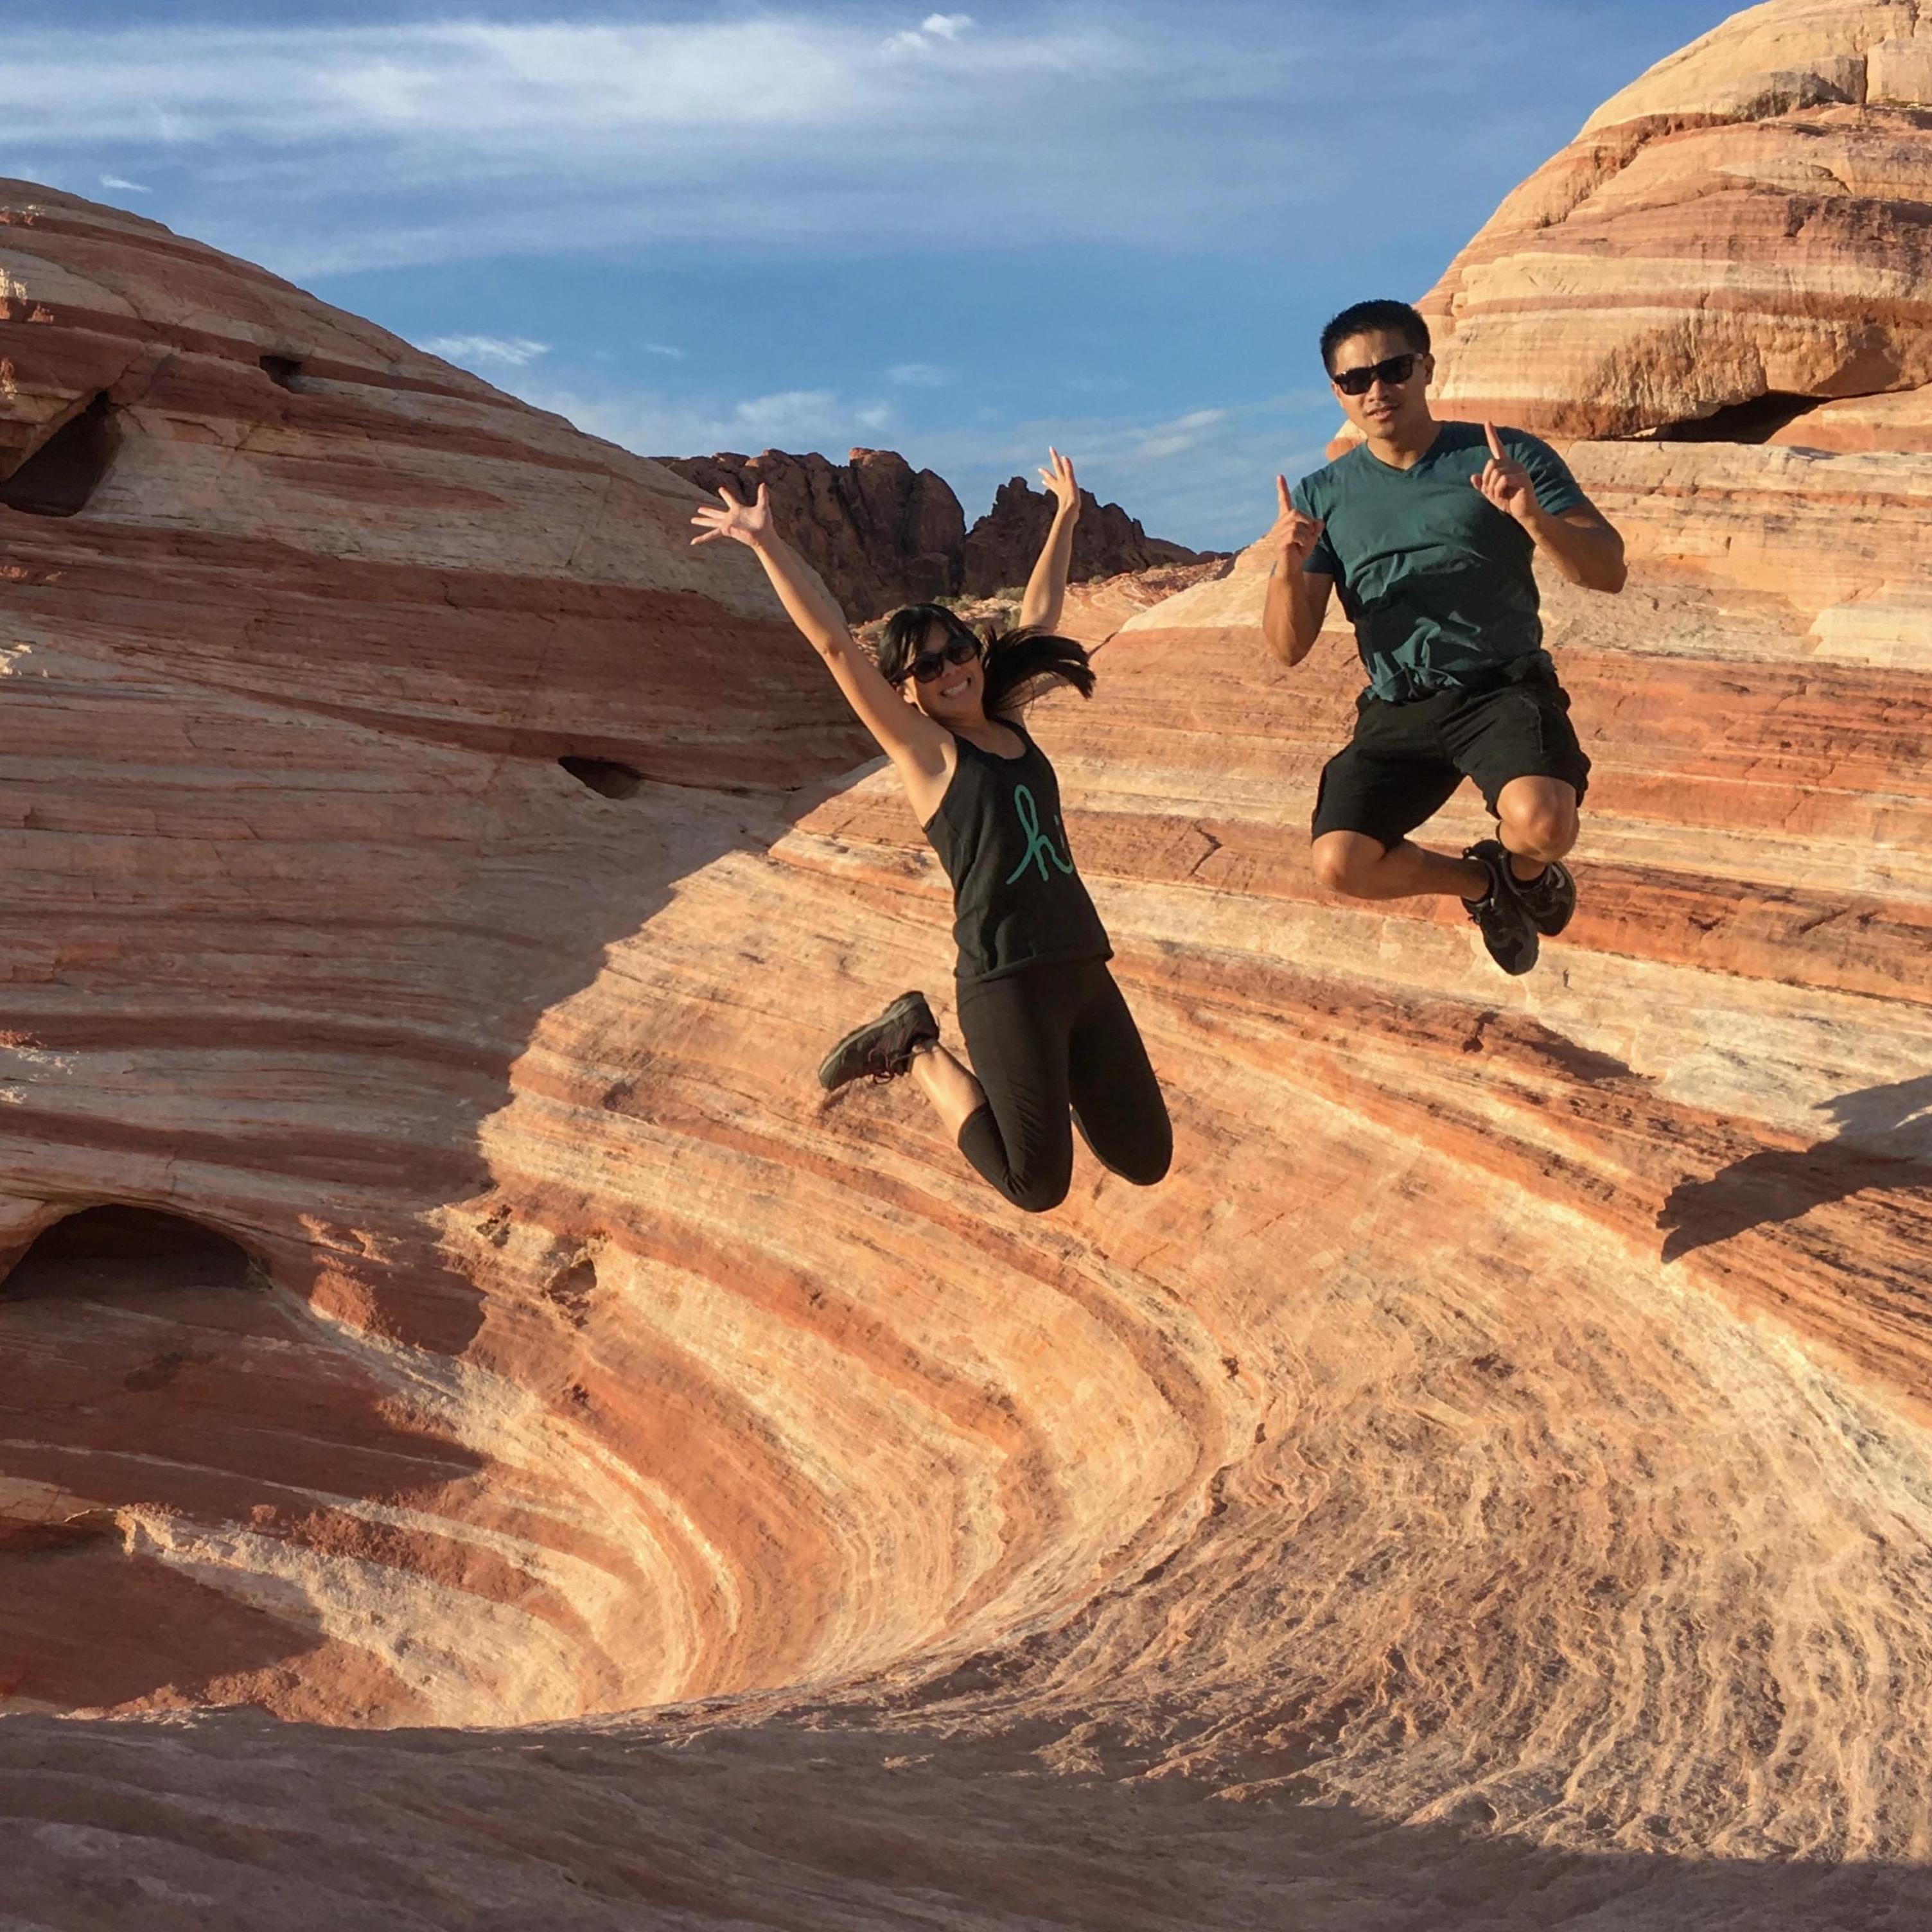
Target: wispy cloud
(922, 375)
(513, 352)
(1219, 498)
(655, 425)
(1177, 437)
(661, 349)
(124, 186)
(329, 149)
(935, 30)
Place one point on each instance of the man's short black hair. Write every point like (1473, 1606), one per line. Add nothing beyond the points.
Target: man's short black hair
(1363, 317)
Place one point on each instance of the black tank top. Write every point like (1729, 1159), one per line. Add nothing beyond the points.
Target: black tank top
(1017, 900)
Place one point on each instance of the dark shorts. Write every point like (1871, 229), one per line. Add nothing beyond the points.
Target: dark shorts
(1405, 761)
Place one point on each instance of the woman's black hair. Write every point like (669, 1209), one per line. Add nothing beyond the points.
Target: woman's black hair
(1018, 664)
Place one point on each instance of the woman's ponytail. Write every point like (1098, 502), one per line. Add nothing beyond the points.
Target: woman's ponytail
(1020, 665)
(1017, 664)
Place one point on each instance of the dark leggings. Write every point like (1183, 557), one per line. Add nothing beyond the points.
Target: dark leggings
(1055, 1047)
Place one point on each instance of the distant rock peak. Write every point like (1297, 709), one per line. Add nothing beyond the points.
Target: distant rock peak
(882, 534)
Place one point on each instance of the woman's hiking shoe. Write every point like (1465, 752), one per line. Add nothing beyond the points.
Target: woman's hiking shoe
(1500, 916)
(1550, 900)
(883, 1049)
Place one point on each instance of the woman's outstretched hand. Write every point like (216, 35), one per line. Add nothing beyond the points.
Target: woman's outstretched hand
(744, 523)
(1062, 484)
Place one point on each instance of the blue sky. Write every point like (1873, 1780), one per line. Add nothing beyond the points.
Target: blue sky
(961, 235)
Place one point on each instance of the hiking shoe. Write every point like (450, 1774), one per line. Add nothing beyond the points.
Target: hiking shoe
(1499, 914)
(1549, 901)
(881, 1049)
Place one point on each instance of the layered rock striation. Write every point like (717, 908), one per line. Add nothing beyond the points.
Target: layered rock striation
(1495, 1468)
(1735, 247)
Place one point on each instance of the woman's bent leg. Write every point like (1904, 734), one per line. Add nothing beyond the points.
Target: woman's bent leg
(1021, 1140)
(1116, 1098)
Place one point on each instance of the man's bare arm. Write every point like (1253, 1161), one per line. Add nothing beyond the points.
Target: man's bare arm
(1583, 544)
(1297, 599)
(1580, 542)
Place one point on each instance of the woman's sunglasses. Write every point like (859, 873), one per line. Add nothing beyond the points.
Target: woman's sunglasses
(1360, 381)
(928, 664)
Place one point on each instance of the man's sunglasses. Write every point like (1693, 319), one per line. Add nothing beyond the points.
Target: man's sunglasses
(1360, 381)
(928, 664)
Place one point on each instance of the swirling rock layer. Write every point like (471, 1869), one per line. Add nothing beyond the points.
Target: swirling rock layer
(1490, 1484)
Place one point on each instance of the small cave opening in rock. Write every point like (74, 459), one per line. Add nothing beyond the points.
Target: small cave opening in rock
(604, 776)
(1756, 421)
(61, 477)
(103, 1252)
(281, 370)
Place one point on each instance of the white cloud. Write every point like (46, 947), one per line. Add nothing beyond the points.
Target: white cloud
(329, 150)
(922, 375)
(1220, 497)
(935, 27)
(654, 425)
(662, 348)
(1177, 437)
(513, 352)
(125, 186)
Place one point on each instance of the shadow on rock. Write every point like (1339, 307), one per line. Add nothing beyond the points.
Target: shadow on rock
(1884, 1142)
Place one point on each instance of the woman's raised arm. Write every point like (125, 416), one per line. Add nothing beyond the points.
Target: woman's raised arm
(904, 733)
(1046, 589)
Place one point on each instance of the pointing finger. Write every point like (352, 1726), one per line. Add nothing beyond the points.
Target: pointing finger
(1495, 443)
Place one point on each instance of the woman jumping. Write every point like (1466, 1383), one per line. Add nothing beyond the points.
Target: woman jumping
(1051, 1042)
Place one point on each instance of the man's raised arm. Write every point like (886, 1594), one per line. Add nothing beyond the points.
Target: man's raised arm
(1581, 542)
(1297, 599)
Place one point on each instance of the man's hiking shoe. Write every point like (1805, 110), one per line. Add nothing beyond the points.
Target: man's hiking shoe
(883, 1049)
(1499, 914)
(1549, 901)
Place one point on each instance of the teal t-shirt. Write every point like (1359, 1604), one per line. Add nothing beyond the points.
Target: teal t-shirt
(1435, 579)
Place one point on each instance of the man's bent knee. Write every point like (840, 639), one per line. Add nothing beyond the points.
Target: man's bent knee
(1346, 862)
(1543, 824)
(1541, 835)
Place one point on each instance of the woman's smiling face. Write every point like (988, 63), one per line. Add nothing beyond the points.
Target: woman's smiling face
(957, 696)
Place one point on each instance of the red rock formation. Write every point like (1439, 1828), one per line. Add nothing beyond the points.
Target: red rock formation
(1001, 547)
(880, 533)
(292, 866)
(1745, 222)
(1497, 1462)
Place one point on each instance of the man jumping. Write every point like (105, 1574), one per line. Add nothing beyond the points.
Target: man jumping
(1428, 528)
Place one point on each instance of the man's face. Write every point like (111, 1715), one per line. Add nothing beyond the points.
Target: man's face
(1386, 407)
